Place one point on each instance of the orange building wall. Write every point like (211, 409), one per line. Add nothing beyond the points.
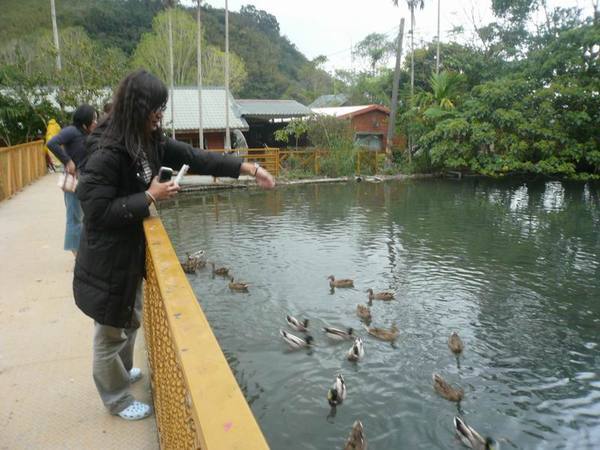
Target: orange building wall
(371, 122)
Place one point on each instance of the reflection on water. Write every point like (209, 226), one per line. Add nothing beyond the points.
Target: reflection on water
(514, 267)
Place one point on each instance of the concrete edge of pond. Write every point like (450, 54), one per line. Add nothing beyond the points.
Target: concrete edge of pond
(197, 183)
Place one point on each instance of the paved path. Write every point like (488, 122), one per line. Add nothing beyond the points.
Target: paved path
(47, 396)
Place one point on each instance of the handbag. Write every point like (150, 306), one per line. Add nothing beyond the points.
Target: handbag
(67, 182)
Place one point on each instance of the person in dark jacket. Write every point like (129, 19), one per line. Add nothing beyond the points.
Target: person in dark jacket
(69, 147)
(118, 183)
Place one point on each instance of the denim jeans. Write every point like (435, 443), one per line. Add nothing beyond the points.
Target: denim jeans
(74, 219)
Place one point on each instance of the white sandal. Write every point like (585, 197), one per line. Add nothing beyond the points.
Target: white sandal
(136, 411)
(135, 374)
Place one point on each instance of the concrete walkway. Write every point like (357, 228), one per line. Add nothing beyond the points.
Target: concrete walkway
(47, 396)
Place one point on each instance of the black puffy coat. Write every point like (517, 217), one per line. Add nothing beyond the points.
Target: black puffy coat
(111, 258)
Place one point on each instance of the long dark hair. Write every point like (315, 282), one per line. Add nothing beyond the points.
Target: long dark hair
(84, 115)
(138, 94)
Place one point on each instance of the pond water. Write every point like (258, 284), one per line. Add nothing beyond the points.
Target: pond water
(513, 266)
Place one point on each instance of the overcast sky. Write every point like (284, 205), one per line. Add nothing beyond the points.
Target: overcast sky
(331, 27)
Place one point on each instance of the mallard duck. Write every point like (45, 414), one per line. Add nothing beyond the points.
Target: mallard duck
(383, 334)
(472, 438)
(193, 262)
(357, 439)
(364, 312)
(343, 283)
(443, 388)
(337, 394)
(223, 271)
(237, 285)
(296, 324)
(385, 296)
(357, 351)
(455, 343)
(296, 342)
(337, 334)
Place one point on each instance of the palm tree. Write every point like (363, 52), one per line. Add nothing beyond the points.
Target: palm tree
(412, 4)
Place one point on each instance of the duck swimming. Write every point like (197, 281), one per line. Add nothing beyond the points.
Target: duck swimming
(223, 271)
(337, 394)
(339, 335)
(385, 296)
(343, 283)
(296, 324)
(295, 342)
(455, 343)
(383, 334)
(357, 439)
(357, 351)
(238, 286)
(443, 388)
(193, 262)
(363, 312)
(472, 438)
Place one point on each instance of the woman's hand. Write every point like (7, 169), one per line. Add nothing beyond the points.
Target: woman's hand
(162, 191)
(264, 179)
(70, 167)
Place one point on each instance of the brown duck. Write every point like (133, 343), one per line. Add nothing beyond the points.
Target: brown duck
(343, 283)
(223, 271)
(383, 334)
(455, 343)
(357, 439)
(238, 286)
(447, 391)
(385, 295)
(364, 312)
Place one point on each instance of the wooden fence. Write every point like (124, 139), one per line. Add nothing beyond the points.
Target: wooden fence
(19, 166)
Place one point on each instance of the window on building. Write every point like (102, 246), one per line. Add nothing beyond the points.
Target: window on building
(371, 141)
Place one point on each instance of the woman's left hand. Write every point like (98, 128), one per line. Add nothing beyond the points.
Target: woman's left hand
(264, 179)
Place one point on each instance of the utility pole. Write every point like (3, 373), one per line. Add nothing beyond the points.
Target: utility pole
(55, 32)
(172, 82)
(437, 59)
(394, 109)
(200, 128)
(227, 138)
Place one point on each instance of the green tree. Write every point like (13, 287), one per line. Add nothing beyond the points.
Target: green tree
(152, 53)
(376, 49)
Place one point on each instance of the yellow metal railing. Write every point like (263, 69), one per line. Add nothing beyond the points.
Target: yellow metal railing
(309, 161)
(197, 401)
(19, 166)
(267, 157)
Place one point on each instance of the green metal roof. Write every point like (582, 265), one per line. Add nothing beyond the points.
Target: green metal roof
(272, 108)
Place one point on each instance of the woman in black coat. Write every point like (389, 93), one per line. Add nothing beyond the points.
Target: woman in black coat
(118, 183)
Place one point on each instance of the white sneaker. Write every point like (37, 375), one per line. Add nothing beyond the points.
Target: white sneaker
(136, 411)
(135, 374)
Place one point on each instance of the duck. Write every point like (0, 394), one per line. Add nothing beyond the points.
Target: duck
(343, 283)
(237, 286)
(455, 343)
(472, 438)
(364, 312)
(295, 342)
(383, 334)
(357, 351)
(385, 295)
(339, 335)
(357, 439)
(337, 394)
(447, 391)
(296, 324)
(223, 271)
(193, 262)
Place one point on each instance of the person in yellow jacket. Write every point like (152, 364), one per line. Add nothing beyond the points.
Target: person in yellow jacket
(52, 129)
